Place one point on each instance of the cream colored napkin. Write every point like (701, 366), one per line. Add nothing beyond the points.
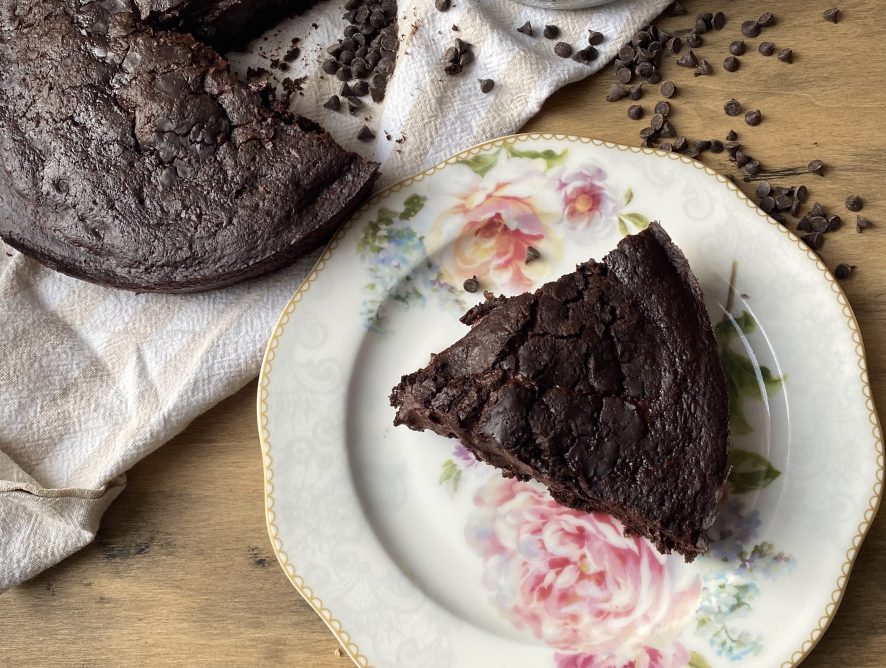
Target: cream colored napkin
(93, 379)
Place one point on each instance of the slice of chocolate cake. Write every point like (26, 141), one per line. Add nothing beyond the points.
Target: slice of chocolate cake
(604, 385)
(133, 157)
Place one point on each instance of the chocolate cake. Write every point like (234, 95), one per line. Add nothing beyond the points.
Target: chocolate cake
(131, 156)
(604, 385)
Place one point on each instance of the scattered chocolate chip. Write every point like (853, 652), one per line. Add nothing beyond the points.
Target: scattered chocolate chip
(526, 29)
(704, 68)
(814, 240)
(586, 56)
(786, 56)
(635, 112)
(766, 19)
(531, 254)
(360, 88)
(330, 66)
(616, 92)
(666, 147)
(766, 48)
(737, 48)
(753, 167)
(365, 134)
(674, 45)
(656, 122)
(750, 28)
(818, 224)
(344, 74)
(719, 21)
(667, 130)
(834, 223)
(753, 117)
(843, 271)
(333, 103)
(647, 133)
(694, 40)
(486, 85)
(732, 135)
(716, 146)
(862, 223)
(767, 204)
(732, 108)
(688, 60)
(346, 90)
(802, 193)
(676, 9)
(668, 88)
(680, 144)
(832, 15)
(636, 92)
(377, 94)
(465, 58)
(783, 202)
(731, 63)
(741, 159)
(663, 108)
(354, 104)
(624, 74)
(471, 284)
(442, 5)
(644, 69)
(563, 50)
(854, 203)
(763, 189)
(551, 32)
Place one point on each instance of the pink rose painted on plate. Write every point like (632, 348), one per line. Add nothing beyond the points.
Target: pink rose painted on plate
(575, 581)
(587, 202)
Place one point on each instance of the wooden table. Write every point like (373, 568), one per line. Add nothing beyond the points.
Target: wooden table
(182, 570)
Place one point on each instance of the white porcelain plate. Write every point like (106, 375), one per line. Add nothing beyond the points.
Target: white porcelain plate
(418, 556)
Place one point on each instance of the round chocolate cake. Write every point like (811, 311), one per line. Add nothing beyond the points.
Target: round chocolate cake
(132, 157)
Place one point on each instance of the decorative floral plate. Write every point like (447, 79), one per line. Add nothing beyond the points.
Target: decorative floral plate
(416, 555)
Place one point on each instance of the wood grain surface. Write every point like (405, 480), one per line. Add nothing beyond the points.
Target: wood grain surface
(182, 571)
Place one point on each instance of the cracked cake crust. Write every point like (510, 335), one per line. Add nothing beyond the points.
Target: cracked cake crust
(133, 157)
(604, 385)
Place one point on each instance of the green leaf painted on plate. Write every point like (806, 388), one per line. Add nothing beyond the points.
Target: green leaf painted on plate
(696, 660)
(480, 164)
(750, 471)
(622, 228)
(413, 204)
(450, 474)
(638, 220)
(744, 380)
(629, 196)
(552, 158)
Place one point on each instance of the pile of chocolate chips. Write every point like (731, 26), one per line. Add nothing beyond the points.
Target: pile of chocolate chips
(642, 58)
(368, 48)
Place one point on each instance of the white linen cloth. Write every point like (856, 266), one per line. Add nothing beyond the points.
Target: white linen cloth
(94, 379)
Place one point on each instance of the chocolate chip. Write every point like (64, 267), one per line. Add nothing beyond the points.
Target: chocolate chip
(365, 134)
(675, 45)
(656, 121)
(663, 108)
(344, 74)
(766, 48)
(688, 60)
(766, 19)
(668, 88)
(465, 58)
(750, 28)
(719, 21)
(834, 223)
(563, 50)
(783, 202)
(731, 63)
(360, 88)
(732, 108)
(732, 135)
(330, 66)
(486, 85)
(647, 133)
(596, 38)
(786, 56)
(654, 78)
(702, 144)
(741, 159)
(442, 5)
(676, 9)
(354, 104)
(763, 189)
(802, 193)
(818, 224)
(471, 284)
(377, 94)
(694, 40)
(832, 15)
(814, 240)
(624, 74)
(716, 146)
(531, 255)
(704, 67)
(346, 90)
(333, 103)
(753, 167)
(667, 147)
(360, 68)
(753, 117)
(854, 203)
(862, 223)
(636, 92)
(680, 144)
(843, 271)
(585, 56)
(616, 92)
(645, 69)
(551, 32)
(767, 204)
(737, 48)
(667, 130)
(635, 112)
(526, 29)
